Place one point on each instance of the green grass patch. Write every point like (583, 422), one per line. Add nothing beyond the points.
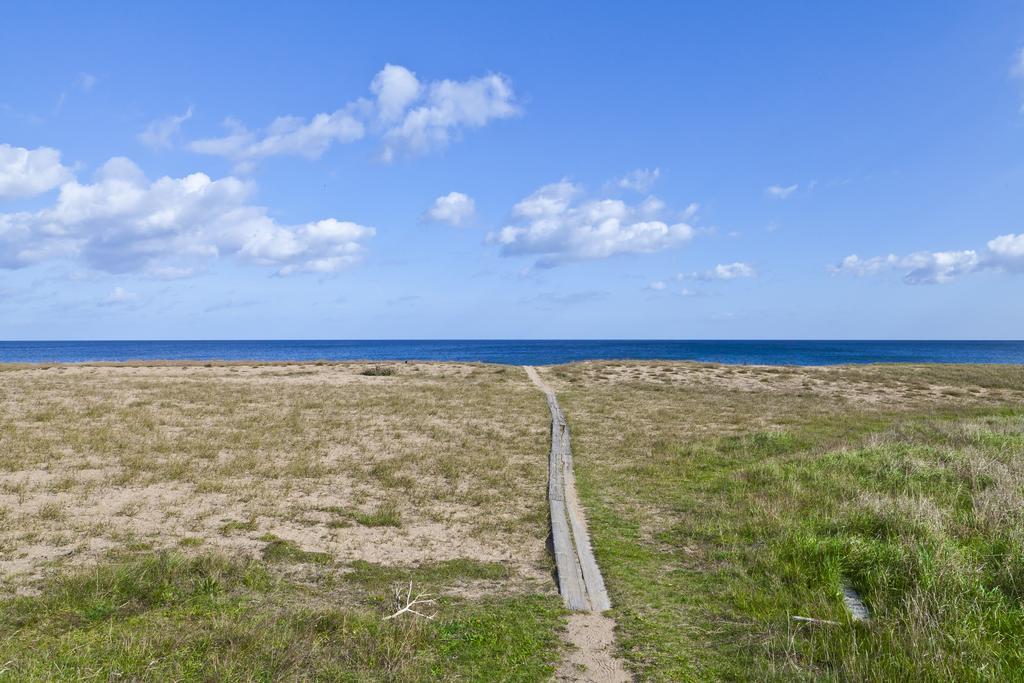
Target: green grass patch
(711, 541)
(429, 574)
(167, 617)
(281, 550)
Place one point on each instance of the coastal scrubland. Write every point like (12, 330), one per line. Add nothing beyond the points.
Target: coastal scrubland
(724, 501)
(253, 521)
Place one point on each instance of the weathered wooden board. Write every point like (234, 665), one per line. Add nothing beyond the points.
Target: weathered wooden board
(579, 578)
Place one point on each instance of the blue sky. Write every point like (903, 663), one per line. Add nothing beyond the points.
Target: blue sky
(461, 170)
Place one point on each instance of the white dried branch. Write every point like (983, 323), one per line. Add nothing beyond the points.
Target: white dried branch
(411, 602)
(812, 620)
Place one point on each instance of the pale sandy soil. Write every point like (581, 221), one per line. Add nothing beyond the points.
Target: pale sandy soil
(887, 386)
(591, 656)
(197, 457)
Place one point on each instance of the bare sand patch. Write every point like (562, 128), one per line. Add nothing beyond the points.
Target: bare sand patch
(592, 655)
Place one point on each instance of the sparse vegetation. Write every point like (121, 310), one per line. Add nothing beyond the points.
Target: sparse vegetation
(318, 454)
(325, 487)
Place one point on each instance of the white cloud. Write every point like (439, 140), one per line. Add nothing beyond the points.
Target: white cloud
(926, 268)
(556, 227)
(286, 135)
(28, 172)
(158, 133)
(1003, 253)
(122, 222)
(656, 286)
(728, 271)
(453, 208)
(780, 192)
(395, 88)
(640, 180)
(855, 265)
(408, 115)
(1007, 252)
(447, 107)
(919, 268)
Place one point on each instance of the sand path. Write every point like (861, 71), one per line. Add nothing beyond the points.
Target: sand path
(590, 633)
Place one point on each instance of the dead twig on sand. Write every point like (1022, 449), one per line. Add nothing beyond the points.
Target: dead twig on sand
(410, 602)
(812, 620)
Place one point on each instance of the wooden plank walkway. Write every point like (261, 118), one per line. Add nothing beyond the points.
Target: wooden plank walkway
(579, 578)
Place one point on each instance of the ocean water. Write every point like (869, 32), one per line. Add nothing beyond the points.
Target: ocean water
(520, 352)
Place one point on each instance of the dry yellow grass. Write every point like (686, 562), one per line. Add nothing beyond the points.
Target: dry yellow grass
(434, 462)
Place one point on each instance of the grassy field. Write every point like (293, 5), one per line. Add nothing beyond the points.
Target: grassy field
(725, 500)
(251, 522)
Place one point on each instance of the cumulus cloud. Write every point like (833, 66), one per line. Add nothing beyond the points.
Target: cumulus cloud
(781, 192)
(727, 271)
(445, 108)
(408, 115)
(28, 172)
(1007, 252)
(454, 208)
(557, 224)
(1003, 253)
(640, 180)
(395, 88)
(123, 222)
(158, 134)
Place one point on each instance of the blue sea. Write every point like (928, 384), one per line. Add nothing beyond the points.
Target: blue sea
(520, 352)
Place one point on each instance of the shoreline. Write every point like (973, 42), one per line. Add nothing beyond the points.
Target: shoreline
(233, 362)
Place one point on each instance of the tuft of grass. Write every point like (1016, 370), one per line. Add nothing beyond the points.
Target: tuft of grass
(234, 525)
(281, 550)
(385, 514)
(51, 511)
(378, 371)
